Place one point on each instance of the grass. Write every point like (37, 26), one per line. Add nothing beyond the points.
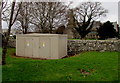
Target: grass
(74, 39)
(0, 65)
(102, 66)
(81, 39)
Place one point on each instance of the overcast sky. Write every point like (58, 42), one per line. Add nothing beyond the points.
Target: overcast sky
(110, 5)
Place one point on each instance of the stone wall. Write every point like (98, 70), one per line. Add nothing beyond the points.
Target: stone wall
(77, 46)
(12, 43)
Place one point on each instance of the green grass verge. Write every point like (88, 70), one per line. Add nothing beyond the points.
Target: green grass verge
(103, 66)
(0, 73)
(81, 39)
(74, 39)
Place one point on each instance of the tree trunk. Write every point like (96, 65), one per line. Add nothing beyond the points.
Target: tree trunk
(26, 19)
(7, 36)
(82, 34)
(26, 30)
(4, 51)
(51, 29)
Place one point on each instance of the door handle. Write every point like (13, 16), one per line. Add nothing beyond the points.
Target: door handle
(39, 47)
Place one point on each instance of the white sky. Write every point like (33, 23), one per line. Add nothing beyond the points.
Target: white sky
(110, 5)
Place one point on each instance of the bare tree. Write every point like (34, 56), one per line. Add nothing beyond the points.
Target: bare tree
(3, 9)
(43, 15)
(23, 17)
(38, 13)
(47, 15)
(1, 16)
(13, 16)
(57, 14)
(85, 15)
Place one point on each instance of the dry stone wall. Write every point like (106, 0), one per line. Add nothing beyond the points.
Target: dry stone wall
(77, 46)
(12, 43)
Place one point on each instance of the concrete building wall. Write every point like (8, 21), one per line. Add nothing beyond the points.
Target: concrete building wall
(62, 44)
(46, 46)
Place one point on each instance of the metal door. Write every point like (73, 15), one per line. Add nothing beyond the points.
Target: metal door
(36, 47)
(45, 46)
(28, 47)
(20, 46)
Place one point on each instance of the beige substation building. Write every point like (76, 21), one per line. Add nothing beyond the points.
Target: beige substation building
(45, 46)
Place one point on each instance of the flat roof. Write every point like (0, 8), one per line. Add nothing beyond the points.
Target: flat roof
(39, 35)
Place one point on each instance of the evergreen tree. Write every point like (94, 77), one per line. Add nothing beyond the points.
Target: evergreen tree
(107, 31)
